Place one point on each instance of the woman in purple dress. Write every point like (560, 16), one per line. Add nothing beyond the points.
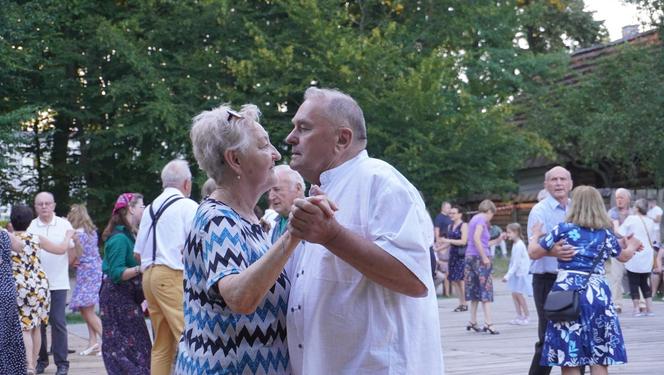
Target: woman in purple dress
(88, 274)
(479, 285)
(457, 237)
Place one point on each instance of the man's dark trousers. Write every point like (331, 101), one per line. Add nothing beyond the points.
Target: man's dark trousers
(542, 284)
(58, 323)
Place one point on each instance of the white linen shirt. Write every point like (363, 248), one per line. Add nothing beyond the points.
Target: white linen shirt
(56, 266)
(642, 261)
(339, 321)
(172, 229)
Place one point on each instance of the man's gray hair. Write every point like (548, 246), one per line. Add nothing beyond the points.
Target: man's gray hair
(293, 176)
(217, 130)
(175, 173)
(625, 192)
(341, 109)
(547, 174)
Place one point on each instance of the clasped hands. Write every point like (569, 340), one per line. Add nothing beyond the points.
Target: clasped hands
(312, 218)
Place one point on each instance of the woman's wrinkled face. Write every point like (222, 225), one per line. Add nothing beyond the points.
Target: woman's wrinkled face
(258, 159)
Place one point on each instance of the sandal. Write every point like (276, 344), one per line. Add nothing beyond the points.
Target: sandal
(93, 349)
(473, 326)
(487, 328)
(461, 308)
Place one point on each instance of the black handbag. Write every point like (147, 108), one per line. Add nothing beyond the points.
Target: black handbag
(564, 305)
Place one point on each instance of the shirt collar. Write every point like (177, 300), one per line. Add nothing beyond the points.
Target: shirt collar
(40, 223)
(172, 190)
(341, 170)
(555, 205)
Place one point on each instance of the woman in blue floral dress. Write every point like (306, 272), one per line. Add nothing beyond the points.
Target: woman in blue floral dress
(88, 274)
(595, 338)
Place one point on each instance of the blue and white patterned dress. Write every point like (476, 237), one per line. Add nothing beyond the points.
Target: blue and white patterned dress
(595, 338)
(215, 339)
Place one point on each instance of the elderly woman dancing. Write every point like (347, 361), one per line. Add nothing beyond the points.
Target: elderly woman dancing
(235, 289)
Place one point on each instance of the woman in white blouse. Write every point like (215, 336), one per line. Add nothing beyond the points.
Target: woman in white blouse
(641, 265)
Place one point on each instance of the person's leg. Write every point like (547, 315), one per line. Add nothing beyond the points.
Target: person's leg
(462, 293)
(634, 282)
(29, 349)
(614, 277)
(542, 284)
(599, 370)
(43, 351)
(486, 308)
(523, 304)
(473, 311)
(646, 290)
(35, 334)
(654, 282)
(570, 371)
(93, 323)
(517, 307)
(58, 323)
(164, 292)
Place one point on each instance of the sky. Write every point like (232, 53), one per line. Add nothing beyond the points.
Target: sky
(615, 15)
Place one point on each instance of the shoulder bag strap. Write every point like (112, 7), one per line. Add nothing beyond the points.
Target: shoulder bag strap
(645, 227)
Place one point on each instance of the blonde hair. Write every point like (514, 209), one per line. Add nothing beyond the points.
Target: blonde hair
(486, 206)
(587, 209)
(516, 228)
(79, 218)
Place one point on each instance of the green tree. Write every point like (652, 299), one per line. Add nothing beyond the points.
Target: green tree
(122, 81)
(610, 120)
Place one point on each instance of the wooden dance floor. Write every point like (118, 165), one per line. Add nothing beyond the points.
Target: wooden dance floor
(465, 352)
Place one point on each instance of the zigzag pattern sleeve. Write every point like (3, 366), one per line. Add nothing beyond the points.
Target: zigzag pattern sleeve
(223, 246)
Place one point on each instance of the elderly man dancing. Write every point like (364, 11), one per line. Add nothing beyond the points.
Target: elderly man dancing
(362, 299)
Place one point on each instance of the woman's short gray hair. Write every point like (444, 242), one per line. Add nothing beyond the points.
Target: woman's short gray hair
(641, 205)
(217, 130)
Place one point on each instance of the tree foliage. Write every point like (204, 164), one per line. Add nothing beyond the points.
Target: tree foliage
(610, 120)
(123, 79)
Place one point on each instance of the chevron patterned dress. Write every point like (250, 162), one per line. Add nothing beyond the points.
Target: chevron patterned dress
(215, 339)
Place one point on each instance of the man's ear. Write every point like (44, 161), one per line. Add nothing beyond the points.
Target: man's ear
(232, 160)
(344, 138)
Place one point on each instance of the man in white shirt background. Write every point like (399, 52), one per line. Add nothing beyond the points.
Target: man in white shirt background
(362, 298)
(163, 231)
(655, 213)
(54, 228)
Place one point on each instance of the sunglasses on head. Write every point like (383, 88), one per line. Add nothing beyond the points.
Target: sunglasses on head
(232, 114)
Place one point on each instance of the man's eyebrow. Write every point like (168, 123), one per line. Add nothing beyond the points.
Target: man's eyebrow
(301, 122)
